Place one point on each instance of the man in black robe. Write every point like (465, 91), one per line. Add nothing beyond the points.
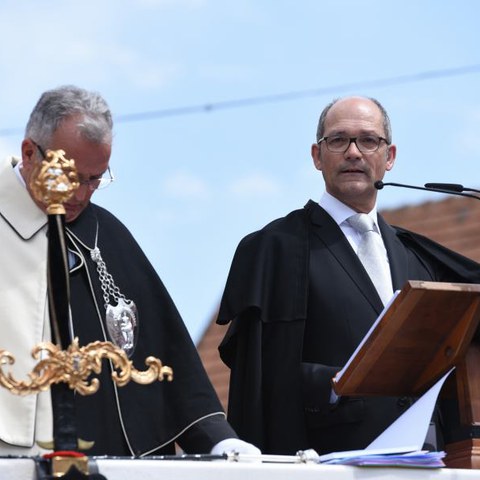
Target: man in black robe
(299, 299)
(115, 296)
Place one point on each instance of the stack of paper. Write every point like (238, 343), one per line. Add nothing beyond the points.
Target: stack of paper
(377, 458)
(401, 443)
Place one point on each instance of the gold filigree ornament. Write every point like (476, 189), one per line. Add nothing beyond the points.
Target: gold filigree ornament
(55, 180)
(75, 365)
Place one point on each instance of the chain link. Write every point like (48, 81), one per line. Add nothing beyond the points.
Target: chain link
(106, 280)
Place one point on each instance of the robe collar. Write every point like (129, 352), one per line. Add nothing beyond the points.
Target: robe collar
(16, 205)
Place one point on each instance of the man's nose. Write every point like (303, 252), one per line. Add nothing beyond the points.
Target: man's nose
(352, 151)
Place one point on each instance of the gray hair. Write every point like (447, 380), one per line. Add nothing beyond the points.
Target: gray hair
(54, 106)
(386, 119)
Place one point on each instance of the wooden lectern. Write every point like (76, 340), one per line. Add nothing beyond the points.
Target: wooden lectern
(428, 328)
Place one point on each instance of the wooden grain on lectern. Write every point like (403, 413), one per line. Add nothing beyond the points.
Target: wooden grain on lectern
(426, 330)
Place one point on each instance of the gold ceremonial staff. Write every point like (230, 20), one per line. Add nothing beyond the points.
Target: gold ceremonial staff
(55, 180)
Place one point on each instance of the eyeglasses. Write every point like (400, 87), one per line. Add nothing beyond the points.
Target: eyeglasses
(341, 143)
(93, 183)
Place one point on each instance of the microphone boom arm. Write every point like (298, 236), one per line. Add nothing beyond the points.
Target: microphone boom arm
(379, 185)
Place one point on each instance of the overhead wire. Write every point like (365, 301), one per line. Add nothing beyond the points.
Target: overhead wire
(282, 97)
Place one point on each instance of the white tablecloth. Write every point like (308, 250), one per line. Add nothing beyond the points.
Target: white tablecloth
(120, 469)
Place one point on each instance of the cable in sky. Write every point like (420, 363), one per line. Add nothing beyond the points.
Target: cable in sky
(282, 97)
(275, 98)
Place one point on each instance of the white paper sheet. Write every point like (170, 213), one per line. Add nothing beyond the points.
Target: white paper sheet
(410, 429)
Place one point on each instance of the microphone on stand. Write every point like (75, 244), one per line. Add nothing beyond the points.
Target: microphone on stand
(453, 187)
(450, 188)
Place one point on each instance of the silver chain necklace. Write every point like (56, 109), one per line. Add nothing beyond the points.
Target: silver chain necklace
(121, 319)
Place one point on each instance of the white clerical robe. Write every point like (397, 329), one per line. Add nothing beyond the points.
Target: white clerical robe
(23, 312)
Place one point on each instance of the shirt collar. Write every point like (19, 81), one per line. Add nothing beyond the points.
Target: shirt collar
(341, 212)
(17, 167)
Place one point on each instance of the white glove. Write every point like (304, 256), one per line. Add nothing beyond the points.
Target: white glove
(231, 445)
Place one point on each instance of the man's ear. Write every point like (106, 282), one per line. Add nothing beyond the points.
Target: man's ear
(28, 151)
(315, 152)
(391, 155)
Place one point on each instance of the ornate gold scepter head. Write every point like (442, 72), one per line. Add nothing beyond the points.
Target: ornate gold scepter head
(54, 181)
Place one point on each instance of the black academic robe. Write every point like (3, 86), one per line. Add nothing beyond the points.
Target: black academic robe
(300, 301)
(137, 419)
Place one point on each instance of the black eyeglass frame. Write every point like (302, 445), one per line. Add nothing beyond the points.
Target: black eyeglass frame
(354, 140)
